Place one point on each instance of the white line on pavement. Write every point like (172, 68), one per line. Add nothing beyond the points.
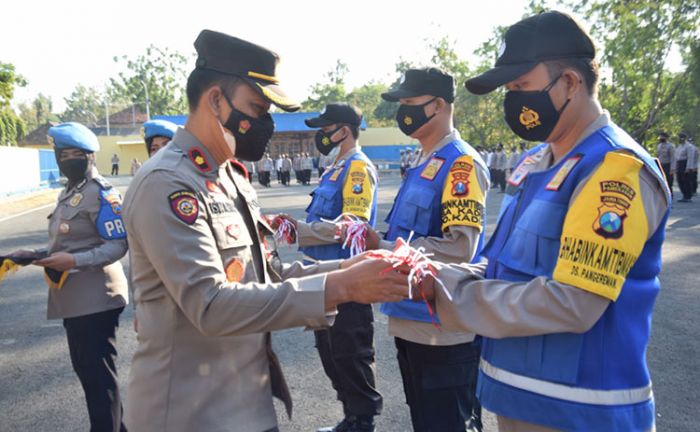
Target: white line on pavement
(7, 218)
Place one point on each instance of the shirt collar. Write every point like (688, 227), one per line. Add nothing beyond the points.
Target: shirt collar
(450, 137)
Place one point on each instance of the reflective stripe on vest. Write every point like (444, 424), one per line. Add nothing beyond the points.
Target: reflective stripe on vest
(567, 393)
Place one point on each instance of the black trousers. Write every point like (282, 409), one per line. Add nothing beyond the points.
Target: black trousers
(115, 169)
(685, 181)
(347, 355)
(93, 353)
(440, 385)
(285, 177)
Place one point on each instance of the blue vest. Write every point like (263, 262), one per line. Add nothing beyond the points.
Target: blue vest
(595, 381)
(327, 203)
(418, 208)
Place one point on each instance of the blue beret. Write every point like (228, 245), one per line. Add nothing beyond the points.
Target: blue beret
(163, 128)
(73, 135)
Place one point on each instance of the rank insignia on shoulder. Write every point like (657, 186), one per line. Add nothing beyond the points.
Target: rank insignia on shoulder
(104, 184)
(336, 173)
(563, 173)
(76, 199)
(198, 159)
(184, 205)
(432, 168)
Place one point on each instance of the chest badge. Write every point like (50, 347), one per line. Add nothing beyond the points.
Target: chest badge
(432, 168)
(75, 200)
(213, 187)
(563, 173)
(64, 228)
(234, 271)
(521, 171)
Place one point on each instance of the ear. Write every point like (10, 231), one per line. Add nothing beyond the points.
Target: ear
(573, 81)
(212, 98)
(440, 104)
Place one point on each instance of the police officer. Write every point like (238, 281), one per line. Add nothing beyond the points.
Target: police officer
(87, 286)
(573, 264)
(442, 202)
(686, 165)
(349, 187)
(206, 279)
(157, 133)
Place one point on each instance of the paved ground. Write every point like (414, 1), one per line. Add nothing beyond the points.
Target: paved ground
(39, 391)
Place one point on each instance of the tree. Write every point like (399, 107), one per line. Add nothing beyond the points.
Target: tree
(332, 89)
(159, 72)
(367, 98)
(38, 112)
(385, 112)
(12, 128)
(84, 105)
(637, 37)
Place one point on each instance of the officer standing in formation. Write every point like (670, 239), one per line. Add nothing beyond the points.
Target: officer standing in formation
(442, 202)
(208, 288)
(665, 154)
(572, 276)
(157, 133)
(348, 187)
(686, 167)
(87, 286)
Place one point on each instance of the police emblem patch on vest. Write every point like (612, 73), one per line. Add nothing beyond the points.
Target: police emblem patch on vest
(432, 168)
(184, 205)
(460, 178)
(357, 178)
(76, 199)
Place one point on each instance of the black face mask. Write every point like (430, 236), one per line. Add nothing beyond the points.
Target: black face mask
(324, 143)
(531, 114)
(410, 118)
(73, 169)
(252, 134)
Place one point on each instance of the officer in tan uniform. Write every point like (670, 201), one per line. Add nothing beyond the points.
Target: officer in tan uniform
(207, 285)
(88, 289)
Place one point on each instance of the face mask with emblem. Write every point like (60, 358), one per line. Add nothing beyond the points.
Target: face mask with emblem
(532, 114)
(410, 118)
(324, 143)
(252, 134)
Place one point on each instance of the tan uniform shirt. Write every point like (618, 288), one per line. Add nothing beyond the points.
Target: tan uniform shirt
(203, 282)
(77, 225)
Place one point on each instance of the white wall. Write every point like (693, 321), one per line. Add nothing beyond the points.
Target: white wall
(19, 170)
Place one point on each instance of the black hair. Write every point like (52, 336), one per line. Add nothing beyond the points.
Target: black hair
(354, 130)
(588, 68)
(201, 80)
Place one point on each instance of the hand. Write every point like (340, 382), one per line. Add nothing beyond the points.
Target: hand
(372, 240)
(60, 261)
(365, 282)
(361, 257)
(428, 288)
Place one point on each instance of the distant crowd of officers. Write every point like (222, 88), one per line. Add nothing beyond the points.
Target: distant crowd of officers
(680, 163)
(302, 164)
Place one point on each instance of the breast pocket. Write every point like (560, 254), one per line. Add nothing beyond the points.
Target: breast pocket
(231, 232)
(533, 246)
(415, 212)
(325, 203)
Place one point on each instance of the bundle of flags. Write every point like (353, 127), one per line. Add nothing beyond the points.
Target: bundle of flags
(11, 263)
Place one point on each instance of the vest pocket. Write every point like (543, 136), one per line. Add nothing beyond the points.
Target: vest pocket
(533, 245)
(230, 231)
(416, 210)
(323, 203)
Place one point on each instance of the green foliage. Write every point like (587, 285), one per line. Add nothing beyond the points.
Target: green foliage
(12, 128)
(85, 105)
(332, 89)
(636, 39)
(38, 112)
(160, 72)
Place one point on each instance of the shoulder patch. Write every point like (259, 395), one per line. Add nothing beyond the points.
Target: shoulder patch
(358, 190)
(605, 228)
(463, 199)
(109, 221)
(184, 205)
